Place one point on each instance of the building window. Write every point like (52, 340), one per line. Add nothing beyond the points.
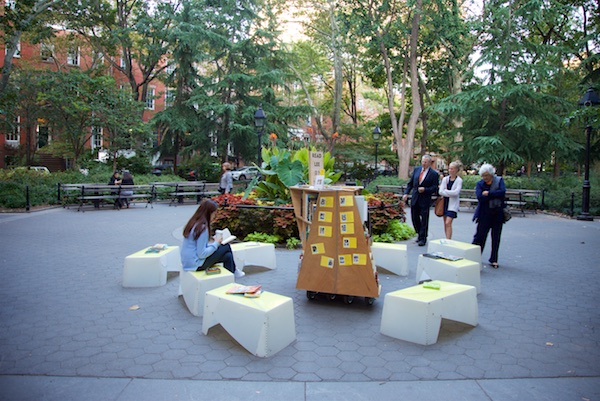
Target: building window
(14, 135)
(17, 52)
(96, 138)
(150, 99)
(169, 97)
(97, 57)
(73, 56)
(43, 136)
(47, 52)
(122, 62)
(170, 68)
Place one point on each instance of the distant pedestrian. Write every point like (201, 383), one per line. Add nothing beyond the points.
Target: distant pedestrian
(226, 183)
(422, 185)
(490, 191)
(450, 190)
(199, 251)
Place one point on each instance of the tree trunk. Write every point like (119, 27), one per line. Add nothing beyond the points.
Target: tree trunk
(11, 49)
(337, 70)
(407, 151)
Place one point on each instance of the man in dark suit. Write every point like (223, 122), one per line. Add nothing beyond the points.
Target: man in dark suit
(422, 185)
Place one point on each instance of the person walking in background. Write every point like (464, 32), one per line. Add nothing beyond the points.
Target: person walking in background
(126, 193)
(490, 191)
(450, 190)
(226, 183)
(198, 252)
(422, 185)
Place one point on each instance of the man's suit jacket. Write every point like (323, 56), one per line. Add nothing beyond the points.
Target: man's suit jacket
(431, 184)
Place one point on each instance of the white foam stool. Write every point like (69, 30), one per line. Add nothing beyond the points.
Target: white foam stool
(143, 269)
(462, 271)
(415, 314)
(253, 254)
(263, 325)
(195, 284)
(456, 248)
(392, 257)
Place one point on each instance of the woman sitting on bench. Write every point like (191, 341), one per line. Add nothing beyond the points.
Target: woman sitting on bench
(197, 251)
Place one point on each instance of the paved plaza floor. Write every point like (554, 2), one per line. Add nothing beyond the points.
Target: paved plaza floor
(67, 331)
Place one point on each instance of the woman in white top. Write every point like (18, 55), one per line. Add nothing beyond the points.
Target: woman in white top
(450, 190)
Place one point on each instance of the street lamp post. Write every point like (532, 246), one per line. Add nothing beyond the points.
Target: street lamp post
(259, 122)
(376, 137)
(590, 98)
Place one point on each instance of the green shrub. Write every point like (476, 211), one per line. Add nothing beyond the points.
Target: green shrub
(292, 243)
(384, 180)
(263, 237)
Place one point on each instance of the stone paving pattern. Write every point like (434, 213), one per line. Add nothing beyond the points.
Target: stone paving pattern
(64, 312)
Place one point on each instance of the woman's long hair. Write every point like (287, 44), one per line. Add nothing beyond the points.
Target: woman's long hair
(200, 221)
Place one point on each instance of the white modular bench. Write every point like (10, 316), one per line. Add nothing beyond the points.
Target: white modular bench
(253, 254)
(195, 284)
(391, 257)
(456, 248)
(462, 271)
(143, 269)
(263, 325)
(415, 314)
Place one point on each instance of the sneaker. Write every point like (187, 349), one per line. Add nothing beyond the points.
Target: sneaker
(238, 273)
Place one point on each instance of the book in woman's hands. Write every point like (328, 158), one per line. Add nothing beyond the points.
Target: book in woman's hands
(224, 234)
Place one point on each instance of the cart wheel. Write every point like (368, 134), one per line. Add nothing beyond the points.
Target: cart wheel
(349, 299)
(311, 294)
(369, 301)
(331, 297)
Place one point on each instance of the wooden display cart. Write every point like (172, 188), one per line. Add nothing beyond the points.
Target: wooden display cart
(337, 258)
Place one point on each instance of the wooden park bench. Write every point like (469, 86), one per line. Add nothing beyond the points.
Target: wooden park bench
(100, 194)
(178, 191)
(516, 199)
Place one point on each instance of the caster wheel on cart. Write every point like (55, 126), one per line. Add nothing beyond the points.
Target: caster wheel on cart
(369, 301)
(311, 294)
(331, 296)
(349, 299)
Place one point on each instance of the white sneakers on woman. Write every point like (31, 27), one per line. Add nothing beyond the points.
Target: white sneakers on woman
(238, 273)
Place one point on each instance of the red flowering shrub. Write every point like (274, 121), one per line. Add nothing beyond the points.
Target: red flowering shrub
(242, 221)
(282, 222)
(383, 211)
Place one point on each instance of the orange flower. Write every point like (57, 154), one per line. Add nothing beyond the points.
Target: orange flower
(272, 136)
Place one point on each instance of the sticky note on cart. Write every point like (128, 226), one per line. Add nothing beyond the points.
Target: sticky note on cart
(325, 217)
(349, 242)
(317, 248)
(325, 231)
(347, 228)
(326, 201)
(327, 262)
(347, 200)
(359, 259)
(432, 285)
(347, 217)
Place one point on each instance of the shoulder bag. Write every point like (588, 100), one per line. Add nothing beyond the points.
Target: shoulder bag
(439, 206)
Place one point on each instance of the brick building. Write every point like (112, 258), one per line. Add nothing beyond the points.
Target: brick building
(47, 56)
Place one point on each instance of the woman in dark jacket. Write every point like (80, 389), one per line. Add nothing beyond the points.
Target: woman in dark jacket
(490, 191)
(126, 193)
